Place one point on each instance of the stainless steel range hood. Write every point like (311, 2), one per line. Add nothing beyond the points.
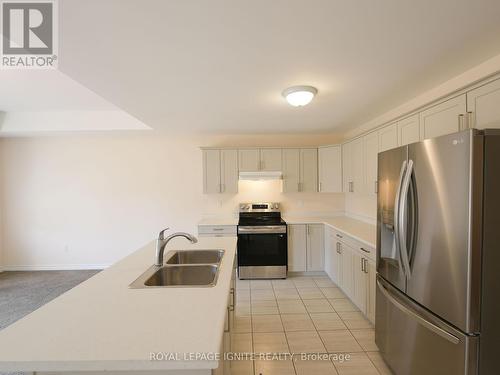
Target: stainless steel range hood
(261, 175)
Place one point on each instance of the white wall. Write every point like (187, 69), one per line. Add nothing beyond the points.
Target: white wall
(88, 200)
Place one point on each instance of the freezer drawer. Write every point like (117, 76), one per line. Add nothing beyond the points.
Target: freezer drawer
(414, 342)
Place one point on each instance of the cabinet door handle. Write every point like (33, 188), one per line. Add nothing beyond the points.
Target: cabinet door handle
(366, 266)
(363, 249)
(339, 235)
(461, 122)
(362, 264)
(228, 321)
(220, 188)
(470, 120)
(340, 247)
(231, 306)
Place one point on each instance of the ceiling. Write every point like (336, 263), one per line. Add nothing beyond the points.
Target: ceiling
(220, 66)
(33, 101)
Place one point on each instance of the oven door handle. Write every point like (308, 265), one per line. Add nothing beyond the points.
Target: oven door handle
(264, 229)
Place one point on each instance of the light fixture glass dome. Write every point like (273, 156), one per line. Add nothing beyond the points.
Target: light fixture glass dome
(299, 95)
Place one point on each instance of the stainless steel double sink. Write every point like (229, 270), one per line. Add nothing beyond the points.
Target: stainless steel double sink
(184, 268)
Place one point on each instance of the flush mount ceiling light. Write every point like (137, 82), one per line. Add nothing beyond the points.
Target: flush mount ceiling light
(299, 96)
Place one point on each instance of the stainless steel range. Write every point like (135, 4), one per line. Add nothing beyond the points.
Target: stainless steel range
(262, 242)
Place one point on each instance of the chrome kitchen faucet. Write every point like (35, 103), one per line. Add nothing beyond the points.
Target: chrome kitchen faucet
(162, 242)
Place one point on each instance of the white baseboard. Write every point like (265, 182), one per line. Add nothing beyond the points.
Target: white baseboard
(55, 267)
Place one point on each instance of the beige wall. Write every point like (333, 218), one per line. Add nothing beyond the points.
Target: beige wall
(91, 199)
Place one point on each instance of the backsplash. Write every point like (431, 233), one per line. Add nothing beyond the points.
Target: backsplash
(292, 204)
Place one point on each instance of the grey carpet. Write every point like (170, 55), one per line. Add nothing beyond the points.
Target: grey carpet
(24, 292)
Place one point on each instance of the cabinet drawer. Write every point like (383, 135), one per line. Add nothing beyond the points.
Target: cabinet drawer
(366, 251)
(228, 230)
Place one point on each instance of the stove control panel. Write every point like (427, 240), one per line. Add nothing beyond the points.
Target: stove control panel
(260, 207)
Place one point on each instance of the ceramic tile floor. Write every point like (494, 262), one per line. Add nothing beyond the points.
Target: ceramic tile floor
(302, 315)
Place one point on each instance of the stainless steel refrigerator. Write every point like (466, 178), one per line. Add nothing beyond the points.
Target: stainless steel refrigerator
(438, 255)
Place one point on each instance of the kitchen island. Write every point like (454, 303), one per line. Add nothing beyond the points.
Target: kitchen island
(103, 325)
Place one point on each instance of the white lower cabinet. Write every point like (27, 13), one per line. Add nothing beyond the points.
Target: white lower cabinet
(306, 247)
(348, 263)
(225, 365)
(371, 291)
(351, 266)
(347, 284)
(360, 283)
(315, 247)
(333, 263)
(297, 244)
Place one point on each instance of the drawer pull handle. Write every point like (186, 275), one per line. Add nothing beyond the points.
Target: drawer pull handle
(339, 236)
(366, 251)
(217, 228)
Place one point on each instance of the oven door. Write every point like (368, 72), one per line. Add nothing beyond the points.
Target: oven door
(262, 246)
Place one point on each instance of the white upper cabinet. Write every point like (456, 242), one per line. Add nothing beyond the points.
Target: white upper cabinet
(249, 160)
(353, 169)
(484, 105)
(308, 170)
(270, 159)
(330, 169)
(357, 157)
(409, 130)
(388, 137)
(300, 170)
(264, 159)
(211, 171)
(229, 171)
(371, 147)
(445, 118)
(291, 170)
(346, 168)
(220, 171)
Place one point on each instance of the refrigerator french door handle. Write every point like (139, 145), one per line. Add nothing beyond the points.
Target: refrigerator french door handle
(402, 211)
(396, 218)
(430, 326)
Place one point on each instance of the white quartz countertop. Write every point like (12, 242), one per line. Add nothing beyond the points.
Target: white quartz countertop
(223, 220)
(359, 230)
(104, 325)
